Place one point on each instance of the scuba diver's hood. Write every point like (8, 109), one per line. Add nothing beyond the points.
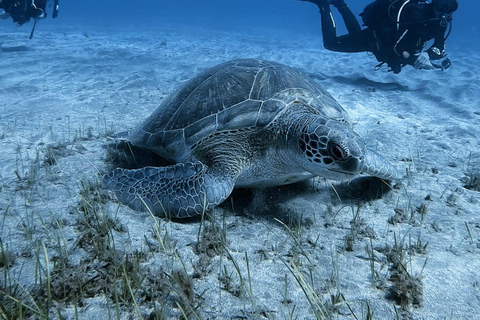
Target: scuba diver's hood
(445, 6)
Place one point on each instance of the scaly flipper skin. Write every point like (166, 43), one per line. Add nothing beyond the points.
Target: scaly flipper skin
(178, 191)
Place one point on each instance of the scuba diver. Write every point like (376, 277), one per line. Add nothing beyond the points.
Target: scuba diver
(22, 10)
(396, 31)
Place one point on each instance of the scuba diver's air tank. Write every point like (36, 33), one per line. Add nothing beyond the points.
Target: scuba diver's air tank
(379, 11)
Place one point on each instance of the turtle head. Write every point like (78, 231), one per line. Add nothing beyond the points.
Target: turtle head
(331, 149)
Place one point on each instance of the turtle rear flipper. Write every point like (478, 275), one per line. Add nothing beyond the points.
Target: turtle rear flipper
(178, 191)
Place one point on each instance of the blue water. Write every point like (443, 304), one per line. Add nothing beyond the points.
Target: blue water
(283, 16)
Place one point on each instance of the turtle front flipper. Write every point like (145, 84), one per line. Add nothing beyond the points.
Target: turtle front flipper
(178, 191)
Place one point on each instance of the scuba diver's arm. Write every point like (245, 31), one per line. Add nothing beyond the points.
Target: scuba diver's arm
(423, 60)
(409, 49)
(437, 50)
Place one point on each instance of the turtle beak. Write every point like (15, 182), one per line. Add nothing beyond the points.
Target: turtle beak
(377, 166)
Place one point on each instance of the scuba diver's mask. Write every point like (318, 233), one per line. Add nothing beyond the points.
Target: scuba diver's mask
(445, 6)
(444, 9)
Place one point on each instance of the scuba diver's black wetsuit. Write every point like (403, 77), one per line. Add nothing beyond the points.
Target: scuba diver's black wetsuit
(396, 40)
(22, 11)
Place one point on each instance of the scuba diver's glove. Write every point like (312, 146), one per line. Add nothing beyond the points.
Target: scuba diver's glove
(423, 61)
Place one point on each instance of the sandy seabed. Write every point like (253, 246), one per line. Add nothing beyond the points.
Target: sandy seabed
(318, 249)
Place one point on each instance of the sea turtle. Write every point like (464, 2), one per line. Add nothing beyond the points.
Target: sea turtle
(243, 123)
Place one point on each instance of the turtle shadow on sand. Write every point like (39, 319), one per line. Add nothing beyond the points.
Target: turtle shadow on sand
(276, 201)
(360, 190)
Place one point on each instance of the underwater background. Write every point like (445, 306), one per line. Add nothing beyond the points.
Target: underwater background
(253, 16)
(320, 249)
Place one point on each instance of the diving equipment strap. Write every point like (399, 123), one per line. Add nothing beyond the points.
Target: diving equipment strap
(33, 29)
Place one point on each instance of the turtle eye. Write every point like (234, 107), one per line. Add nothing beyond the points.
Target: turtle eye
(337, 151)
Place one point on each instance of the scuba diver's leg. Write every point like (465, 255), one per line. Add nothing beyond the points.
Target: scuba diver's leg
(328, 24)
(349, 18)
(37, 9)
(329, 30)
(345, 43)
(363, 41)
(41, 4)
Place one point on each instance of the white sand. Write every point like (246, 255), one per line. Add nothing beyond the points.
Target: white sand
(64, 90)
